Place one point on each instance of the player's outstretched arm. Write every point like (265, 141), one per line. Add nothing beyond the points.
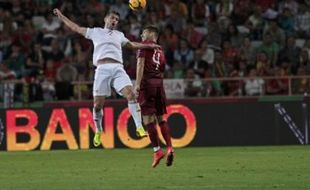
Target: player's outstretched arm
(73, 26)
(136, 45)
(139, 74)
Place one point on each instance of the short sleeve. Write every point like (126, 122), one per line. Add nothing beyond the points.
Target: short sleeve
(124, 40)
(140, 53)
(89, 33)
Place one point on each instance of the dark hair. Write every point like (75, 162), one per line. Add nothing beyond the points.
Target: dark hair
(153, 29)
(114, 13)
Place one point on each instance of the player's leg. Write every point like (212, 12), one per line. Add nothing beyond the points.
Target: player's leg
(165, 131)
(97, 116)
(101, 89)
(123, 85)
(134, 109)
(150, 123)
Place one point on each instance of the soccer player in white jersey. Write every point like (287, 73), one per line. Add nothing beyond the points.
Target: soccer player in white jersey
(107, 57)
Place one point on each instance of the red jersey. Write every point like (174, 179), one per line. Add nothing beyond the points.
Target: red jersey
(154, 66)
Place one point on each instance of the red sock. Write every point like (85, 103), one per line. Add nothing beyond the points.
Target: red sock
(165, 131)
(153, 135)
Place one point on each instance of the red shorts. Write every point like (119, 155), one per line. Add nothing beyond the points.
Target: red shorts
(152, 101)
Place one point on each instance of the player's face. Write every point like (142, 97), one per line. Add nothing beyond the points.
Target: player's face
(145, 35)
(111, 21)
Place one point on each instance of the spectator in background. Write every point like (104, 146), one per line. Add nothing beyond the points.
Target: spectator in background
(289, 54)
(234, 87)
(304, 60)
(255, 24)
(302, 21)
(223, 11)
(66, 73)
(292, 5)
(301, 86)
(176, 21)
(200, 12)
(266, 4)
(55, 54)
(277, 34)
(50, 70)
(178, 70)
(121, 7)
(193, 36)
(154, 20)
(79, 58)
(199, 65)
(263, 64)
(35, 60)
(270, 47)
(220, 67)
(81, 90)
(135, 26)
(242, 10)
(254, 86)
(230, 53)
(247, 51)
(17, 61)
(6, 73)
(24, 35)
(277, 86)
(214, 36)
(234, 36)
(169, 40)
(49, 28)
(180, 7)
(193, 84)
(184, 53)
(207, 54)
(286, 22)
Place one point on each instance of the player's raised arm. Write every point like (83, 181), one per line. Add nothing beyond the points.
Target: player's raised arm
(73, 26)
(136, 45)
(139, 74)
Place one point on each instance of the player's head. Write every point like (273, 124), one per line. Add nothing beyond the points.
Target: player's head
(150, 33)
(111, 20)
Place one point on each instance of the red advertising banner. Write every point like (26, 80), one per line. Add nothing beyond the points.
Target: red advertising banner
(32, 129)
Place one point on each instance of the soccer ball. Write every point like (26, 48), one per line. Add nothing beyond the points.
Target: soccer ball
(137, 4)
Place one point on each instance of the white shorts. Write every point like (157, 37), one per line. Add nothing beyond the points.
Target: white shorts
(108, 76)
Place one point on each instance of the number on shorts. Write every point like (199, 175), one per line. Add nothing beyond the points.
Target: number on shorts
(156, 59)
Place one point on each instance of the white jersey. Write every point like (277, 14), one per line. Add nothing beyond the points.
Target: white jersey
(107, 43)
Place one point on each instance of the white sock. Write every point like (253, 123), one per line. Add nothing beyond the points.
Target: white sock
(135, 112)
(156, 148)
(97, 116)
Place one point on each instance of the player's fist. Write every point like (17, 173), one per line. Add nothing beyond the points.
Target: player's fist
(136, 90)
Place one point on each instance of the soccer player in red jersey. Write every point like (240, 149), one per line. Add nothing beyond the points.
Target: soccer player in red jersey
(151, 94)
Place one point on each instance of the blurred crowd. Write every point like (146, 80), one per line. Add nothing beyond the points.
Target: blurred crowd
(202, 39)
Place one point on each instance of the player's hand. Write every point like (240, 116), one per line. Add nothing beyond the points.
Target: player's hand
(136, 90)
(57, 12)
(154, 46)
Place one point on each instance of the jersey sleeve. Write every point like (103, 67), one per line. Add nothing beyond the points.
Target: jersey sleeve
(140, 53)
(90, 33)
(124, 40)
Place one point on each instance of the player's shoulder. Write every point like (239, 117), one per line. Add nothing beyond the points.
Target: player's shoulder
(96, 29)
(119, 32)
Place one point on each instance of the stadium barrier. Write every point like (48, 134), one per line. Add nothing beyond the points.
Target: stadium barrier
(193, 122)
(21, 91)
